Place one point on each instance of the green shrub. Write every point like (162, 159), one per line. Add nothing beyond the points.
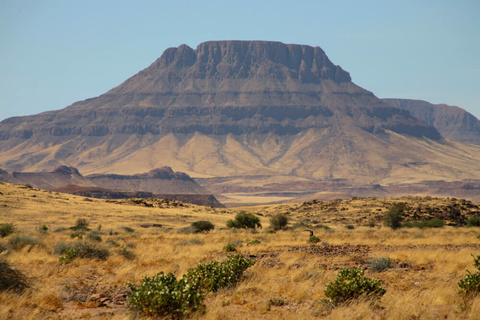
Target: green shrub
(21, 241)
(81, 225)
(380, 264)
(394, 216)
(69, 256)
(433, 223)
(6, 229)
(230, 248)
(473, 222)
(94, 236)
(165, 296)
(78, 235)
(81, 249)
(127, 254)
(471, 283)
(244, 220)
(82, 222)
(253, 242)
(11, 279)
(113, 242)
(313, 239)
(213, 276)
(128, 229)
(162, 295)
(202, 226)
(43, 228)
(350, 226)
(278, 221)
(350, 284)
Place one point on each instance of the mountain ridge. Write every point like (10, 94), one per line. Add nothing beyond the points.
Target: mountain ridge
(240, 109)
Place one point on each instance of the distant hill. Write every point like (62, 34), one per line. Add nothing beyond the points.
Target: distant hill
(452, 122)
(158, 183)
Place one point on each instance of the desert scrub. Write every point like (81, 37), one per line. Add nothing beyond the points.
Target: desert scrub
(163, 295)
(11, 279)
(471, 283)
(127, 254)
(21, 241)
(394, 216)
(94, 236)
(244, 220)
(230, 248)
(6, 229)
(81, 225)
(350, 284)
(278, 221)
(380, 264)
(432, 223)
(128, 229)
(202, 226)
(313, 239)
(254, 242)
(81, 249)
(473, 221)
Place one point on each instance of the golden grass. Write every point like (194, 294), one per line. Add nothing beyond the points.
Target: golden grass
(287, 281)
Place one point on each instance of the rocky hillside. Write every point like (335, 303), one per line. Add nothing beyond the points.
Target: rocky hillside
(452, 122)
(236, 110)
(158, 181)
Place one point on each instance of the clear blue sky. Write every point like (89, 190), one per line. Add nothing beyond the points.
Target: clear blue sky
(54, 53)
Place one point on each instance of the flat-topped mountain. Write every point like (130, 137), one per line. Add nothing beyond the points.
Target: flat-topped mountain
(237, 110)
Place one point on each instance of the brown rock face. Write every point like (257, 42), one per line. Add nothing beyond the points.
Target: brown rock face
(452, 122)
(238, 109)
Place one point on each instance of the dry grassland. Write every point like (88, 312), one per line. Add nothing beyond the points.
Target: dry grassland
(287, 281)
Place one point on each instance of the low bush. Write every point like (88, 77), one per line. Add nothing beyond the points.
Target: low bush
(78, 235)
(433, 223)
(230, 248)
(244, 220)
(202, 226)
(81, 225)
(165, 296)
(11, 279)
(380, 264)
(394, 216)
(350, 284)
(473, 221)
(128, 229)
(350, 226)
(21, 241)
(127, 254)
(278, 221)
(313, 239)
(6, 229)
(94, 236)
(253, 242)
(471, 283)
(81, 249)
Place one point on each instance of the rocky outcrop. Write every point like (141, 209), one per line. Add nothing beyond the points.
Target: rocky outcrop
(452, 122)
(159, 181)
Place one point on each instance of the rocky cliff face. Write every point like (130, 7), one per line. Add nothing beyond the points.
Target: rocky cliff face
(452, 122)
(237, 109)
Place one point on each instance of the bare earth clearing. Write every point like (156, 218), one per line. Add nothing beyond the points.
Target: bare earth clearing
(289, 276)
